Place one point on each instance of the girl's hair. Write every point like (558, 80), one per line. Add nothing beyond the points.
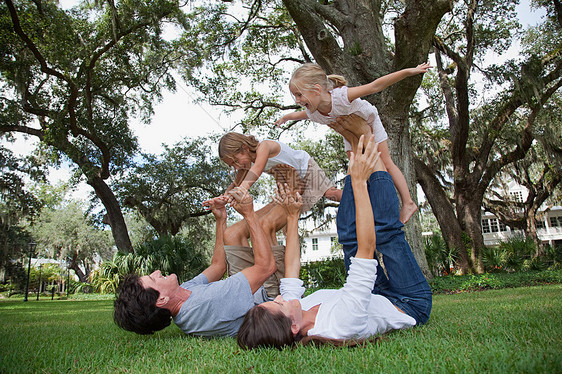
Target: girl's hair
(262, 328)
(307, 76)
(233, 142)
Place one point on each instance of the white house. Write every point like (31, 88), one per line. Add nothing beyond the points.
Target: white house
(318, 243)
(549, 226)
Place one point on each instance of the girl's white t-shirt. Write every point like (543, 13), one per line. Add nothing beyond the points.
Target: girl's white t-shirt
(352, 312)
(289, 156)
(342, 107)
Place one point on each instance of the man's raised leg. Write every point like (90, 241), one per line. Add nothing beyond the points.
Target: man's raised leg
(239, 254)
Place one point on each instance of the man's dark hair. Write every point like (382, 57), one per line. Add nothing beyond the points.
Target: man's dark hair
(136, 310)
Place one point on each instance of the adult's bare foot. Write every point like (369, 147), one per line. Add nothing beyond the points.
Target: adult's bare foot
(355, 124)
(352, 127)
(287, 174)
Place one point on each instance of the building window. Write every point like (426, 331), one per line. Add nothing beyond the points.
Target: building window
(485, 226)
(555, 221)
(332, 240)
(517, 196)
(494, 224)
(314, 244)
(540, 224)
(503, 227)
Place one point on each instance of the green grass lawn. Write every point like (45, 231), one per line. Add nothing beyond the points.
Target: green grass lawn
(514, 330)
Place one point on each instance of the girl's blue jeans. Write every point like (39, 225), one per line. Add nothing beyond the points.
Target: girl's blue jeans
(403, 283)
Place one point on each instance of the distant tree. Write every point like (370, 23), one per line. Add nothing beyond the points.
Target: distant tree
(66, 233)
(168, 190)
(18, 203)
(540, 172)
(72, 79)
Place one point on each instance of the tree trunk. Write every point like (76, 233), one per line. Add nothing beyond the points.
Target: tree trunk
(114, 214)
(470, 220)
(531, 230)
(74, 266)
(401, 149)
(444, 213)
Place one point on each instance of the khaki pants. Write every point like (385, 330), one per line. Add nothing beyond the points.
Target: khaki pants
(239, 258)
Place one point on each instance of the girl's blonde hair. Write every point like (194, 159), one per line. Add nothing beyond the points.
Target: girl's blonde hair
(308, 75)
(233, 142)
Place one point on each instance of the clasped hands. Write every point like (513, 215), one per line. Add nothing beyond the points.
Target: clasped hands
(239, 198)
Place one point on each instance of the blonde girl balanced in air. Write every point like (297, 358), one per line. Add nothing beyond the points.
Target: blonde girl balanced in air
(251, 157)
(326, 97)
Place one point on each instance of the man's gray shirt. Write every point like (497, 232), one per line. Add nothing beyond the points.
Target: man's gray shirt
(217, 308)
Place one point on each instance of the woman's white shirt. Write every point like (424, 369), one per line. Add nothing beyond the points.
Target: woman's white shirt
(352, 311)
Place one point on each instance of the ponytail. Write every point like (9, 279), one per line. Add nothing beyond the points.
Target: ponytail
(307, 76)
(337, 80)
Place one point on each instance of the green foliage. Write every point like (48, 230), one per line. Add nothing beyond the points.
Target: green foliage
(440, 258)
(18, 203)
(498, 110)
(15, 275)
(73, 79)
(168, 190)
(168, 254)
(106, 279)
(237, 56)
(517, 249)
(323, 274)
(68, 233)
(519, 254)
(463, 283)
(177, 255)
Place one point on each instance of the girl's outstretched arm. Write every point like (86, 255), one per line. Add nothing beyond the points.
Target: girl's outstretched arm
(292, 202)
(266, 149)
(385, 81)
(295, 116)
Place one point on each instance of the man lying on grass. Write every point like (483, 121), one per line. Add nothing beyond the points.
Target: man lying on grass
(205, 305)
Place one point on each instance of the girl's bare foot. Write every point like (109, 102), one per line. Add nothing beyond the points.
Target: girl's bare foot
(407, 211)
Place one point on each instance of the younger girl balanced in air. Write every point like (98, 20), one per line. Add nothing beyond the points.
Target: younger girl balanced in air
(251, 158)
(326, 97)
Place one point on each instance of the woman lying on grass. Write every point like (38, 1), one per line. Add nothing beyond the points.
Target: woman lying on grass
(351, 313)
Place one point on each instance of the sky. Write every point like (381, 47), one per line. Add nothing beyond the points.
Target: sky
(177, 116)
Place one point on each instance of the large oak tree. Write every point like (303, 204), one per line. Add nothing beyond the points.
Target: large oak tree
(72, 79)
(267, 39)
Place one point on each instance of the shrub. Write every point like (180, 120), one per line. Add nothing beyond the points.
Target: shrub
(329, 273)
(494, 258)
(517, 249)
(169, 254)
(439, 257)
(465, 283)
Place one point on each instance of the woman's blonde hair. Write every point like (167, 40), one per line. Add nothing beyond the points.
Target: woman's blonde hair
(233, 142)
(307, 76)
